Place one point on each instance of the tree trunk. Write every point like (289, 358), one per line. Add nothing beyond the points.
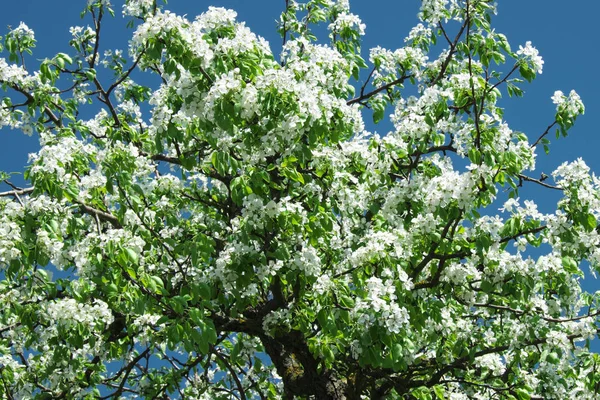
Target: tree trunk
(299, 370)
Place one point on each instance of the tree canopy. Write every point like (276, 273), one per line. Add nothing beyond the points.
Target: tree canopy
(234, 231)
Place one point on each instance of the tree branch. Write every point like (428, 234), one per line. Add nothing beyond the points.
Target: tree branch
(368, 95)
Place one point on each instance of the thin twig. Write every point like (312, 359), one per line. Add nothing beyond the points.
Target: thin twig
(538, 181)
(379, 89)
(544, 134)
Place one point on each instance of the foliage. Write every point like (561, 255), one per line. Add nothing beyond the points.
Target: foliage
(236, 233)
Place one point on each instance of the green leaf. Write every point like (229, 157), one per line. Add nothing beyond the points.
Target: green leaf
(204, 290)
(65, 57)
(159, 284)
(570, 265)
(132, 256)
(553, 358)
(523, 394)
(196, 317)
(590, 222)
(222, 162)
(200, 340)
(475, 155)
(328, 354)
(293, 175)
(439, 392)
(346, 301)
(54, 227)
(239, 189)
(486, 286)
(210, 332)
(422, 393)
(90, 74)
(131, 272)
(378, 114)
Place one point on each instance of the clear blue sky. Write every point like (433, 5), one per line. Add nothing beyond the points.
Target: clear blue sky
(566, 35)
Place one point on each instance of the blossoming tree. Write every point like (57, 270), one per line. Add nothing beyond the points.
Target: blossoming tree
(234, 232)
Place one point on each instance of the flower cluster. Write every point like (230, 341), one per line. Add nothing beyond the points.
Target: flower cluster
(381, 305)
(70, 313)
(21, 33)
(11, 73)
(571, 105)
(531, 56)
(345, 22)
(433, 11)
(137, 8)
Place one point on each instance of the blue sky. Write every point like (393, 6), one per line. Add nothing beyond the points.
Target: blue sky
(565, 35)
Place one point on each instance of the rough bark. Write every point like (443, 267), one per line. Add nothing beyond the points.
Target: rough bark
(300, 371)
